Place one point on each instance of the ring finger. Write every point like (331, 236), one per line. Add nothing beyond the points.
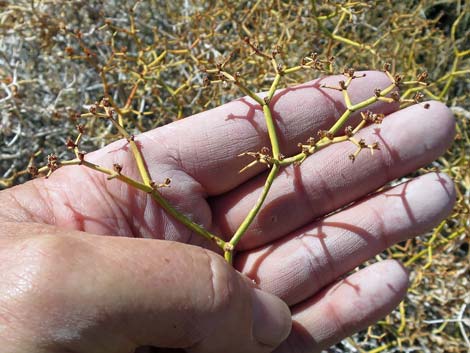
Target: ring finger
(299, 265)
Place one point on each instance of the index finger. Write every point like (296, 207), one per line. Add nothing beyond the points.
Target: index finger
(206, 145)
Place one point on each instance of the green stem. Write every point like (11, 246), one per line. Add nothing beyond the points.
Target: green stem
(336, 37)
(337, 126)
(320, 145)
(271, 131)
(435, 245)
(253, 212)
(274, 85)
(450, 79)
(162, 202)
(185, 220)
(250, 93)
(228, 250)
(293, 69)
(342, 120)
(269, 118)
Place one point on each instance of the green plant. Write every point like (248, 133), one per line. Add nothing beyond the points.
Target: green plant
(104, 48)
(339, 132)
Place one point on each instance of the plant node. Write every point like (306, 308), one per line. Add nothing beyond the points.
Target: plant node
(361, 144)
(263, 157)
(228, 247)
(70, 143)
(52, 164)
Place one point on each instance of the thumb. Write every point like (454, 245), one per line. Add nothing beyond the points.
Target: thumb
(95, 294)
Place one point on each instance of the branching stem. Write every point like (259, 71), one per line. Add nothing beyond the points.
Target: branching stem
(253, 212)
(228, 254)
(152, 191)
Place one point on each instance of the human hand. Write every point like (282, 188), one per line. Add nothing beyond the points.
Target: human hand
(289, 250)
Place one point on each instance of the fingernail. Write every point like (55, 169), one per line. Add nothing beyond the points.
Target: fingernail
(271, 319)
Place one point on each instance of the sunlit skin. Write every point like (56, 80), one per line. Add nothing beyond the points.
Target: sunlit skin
(66, 287)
